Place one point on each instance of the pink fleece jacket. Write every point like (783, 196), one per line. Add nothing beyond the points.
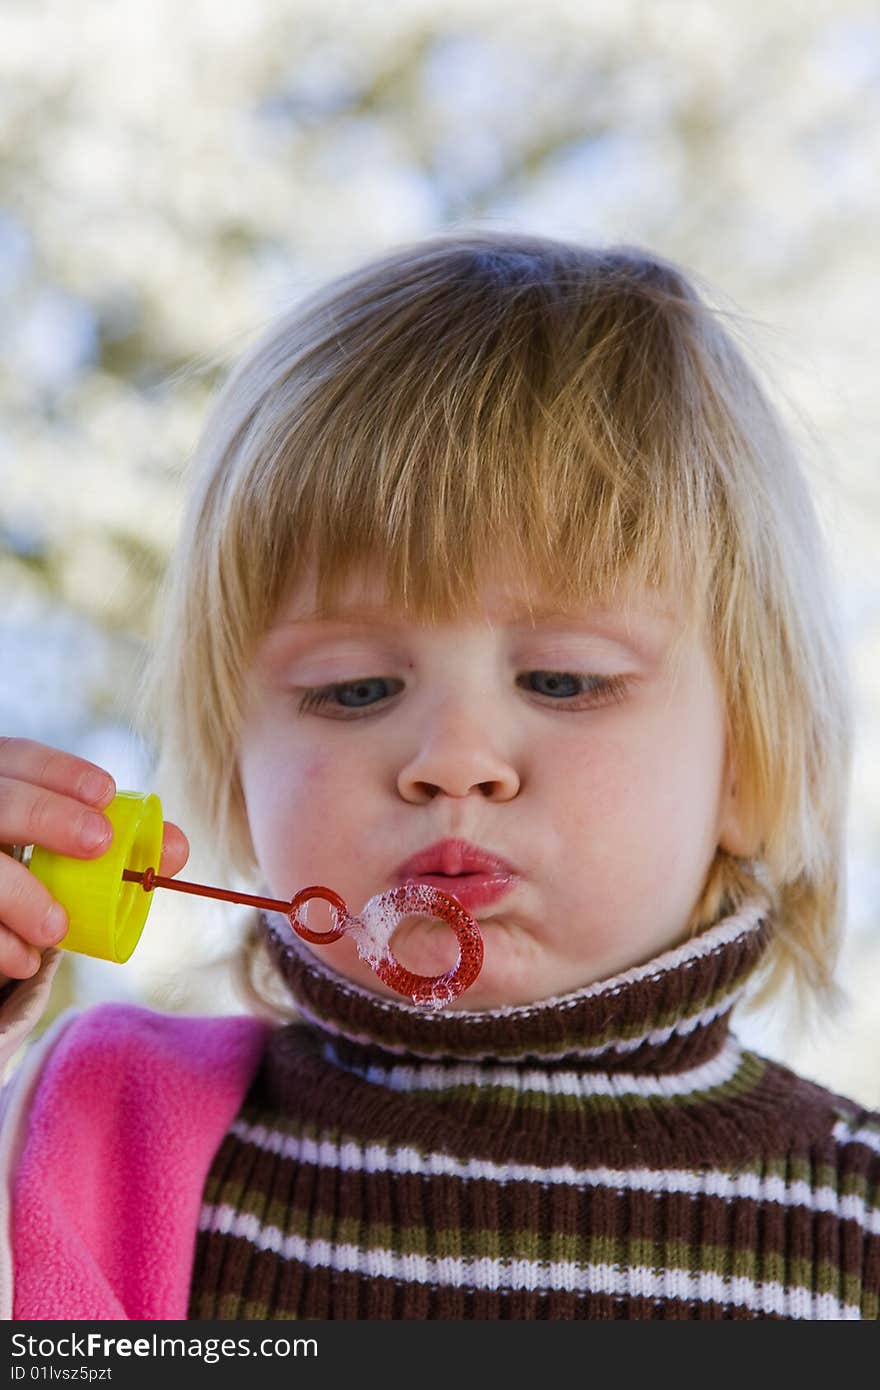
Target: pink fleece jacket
(127, 1115)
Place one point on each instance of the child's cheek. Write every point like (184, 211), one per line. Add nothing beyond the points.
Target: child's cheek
(323, 787)
(315, 772)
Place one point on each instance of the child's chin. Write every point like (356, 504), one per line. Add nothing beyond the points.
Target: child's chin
(504, 980)
(425, 948)
(488, 993)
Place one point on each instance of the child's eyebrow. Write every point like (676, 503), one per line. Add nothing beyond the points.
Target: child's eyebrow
(609, 620)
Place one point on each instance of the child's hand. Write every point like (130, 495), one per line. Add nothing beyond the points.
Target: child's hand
(53, 799)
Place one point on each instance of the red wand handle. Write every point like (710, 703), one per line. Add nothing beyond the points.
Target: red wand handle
(151, 880)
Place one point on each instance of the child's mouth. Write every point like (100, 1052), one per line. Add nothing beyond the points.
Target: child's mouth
(471, 890)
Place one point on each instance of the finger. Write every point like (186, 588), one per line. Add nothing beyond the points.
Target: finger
(23, 759)
(18, 960)
(32, 815)
(175, 850)
(28, 912)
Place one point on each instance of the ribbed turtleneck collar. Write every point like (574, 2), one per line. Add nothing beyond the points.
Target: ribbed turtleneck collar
(665, 1017)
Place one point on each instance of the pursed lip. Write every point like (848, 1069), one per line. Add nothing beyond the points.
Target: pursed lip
(454, 857)
(473, 876)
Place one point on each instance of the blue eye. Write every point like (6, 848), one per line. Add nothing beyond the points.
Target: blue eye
(556, 683)
(360, 689)
(565, 684)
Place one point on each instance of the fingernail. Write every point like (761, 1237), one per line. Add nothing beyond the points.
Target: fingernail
(94, 786)
(94, 830)
(55, 925)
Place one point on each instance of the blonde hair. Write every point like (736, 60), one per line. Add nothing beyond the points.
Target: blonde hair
(582, 411)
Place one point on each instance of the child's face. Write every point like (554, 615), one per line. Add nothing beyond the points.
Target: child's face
(611, 809)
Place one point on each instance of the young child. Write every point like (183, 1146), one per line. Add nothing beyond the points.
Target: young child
(496, 540)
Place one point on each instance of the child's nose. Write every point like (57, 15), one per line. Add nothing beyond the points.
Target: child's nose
(460, 753)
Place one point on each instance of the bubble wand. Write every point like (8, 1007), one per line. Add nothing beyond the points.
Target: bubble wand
(108, 899)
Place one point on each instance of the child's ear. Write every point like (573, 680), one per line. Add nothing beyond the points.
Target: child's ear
(735, 835)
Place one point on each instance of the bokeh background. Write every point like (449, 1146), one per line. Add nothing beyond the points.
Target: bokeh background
(173, 176)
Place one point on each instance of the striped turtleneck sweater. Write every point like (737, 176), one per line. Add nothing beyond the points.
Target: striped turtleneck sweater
(610, 1153)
